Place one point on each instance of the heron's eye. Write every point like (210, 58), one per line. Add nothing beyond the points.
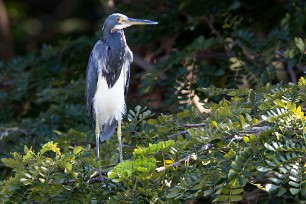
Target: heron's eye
(117, 19)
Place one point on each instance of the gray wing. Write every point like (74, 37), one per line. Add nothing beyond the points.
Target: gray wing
(91, 87)
(129, 58)
(98, 63)
(127, 79)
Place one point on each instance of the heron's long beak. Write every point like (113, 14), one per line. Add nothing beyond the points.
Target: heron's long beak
(133, 21)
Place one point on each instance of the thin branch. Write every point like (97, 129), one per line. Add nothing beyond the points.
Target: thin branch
(252, 130)
(185, 131)
(206, 147)
(236, 137)
(195, 125)
(175, 164)
(256, 130)
(177, 134)
(69, 182)
(4, 132)
(188, 158)
(97, 180)
(91, 181)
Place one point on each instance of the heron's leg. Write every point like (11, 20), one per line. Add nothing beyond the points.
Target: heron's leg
(119, 134)
(97, 146)
(97, 138)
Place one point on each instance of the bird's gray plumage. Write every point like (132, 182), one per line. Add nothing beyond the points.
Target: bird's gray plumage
(108, 77)
(107, 58)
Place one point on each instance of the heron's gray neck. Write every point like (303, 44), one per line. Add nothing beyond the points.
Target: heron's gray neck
(116, 42)
(115, 37)
(116, 51)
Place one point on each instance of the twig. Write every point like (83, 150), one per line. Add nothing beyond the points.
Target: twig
(195, 125)
(188, 158)
(256, 130)
(236, 137)
(6, 131)
(206, 147)
(175, 164)
(177, 134)
(92, 180)
(69, 182)
(185, 131)
(252, 130)
(96, 180)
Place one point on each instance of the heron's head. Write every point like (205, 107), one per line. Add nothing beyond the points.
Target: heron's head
(117, 21)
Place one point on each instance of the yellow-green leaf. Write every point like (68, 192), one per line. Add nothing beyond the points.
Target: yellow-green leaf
(214, 123)
(152, 122)
(77, 149)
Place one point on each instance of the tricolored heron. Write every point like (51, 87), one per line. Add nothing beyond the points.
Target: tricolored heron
(108, 76)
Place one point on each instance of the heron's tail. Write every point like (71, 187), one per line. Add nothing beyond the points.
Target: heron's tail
(107, 130)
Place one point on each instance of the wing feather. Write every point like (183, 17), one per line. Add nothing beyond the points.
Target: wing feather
(100, 63)
(127, 79)
(129, 58)
(91, 87)
(107, 62)
(97, 64)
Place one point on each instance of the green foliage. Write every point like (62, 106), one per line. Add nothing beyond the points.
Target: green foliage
(223, 157)
(43, 93)
(59, 177)
(287, 162)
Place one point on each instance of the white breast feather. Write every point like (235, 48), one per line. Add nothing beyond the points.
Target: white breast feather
(110, 103)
